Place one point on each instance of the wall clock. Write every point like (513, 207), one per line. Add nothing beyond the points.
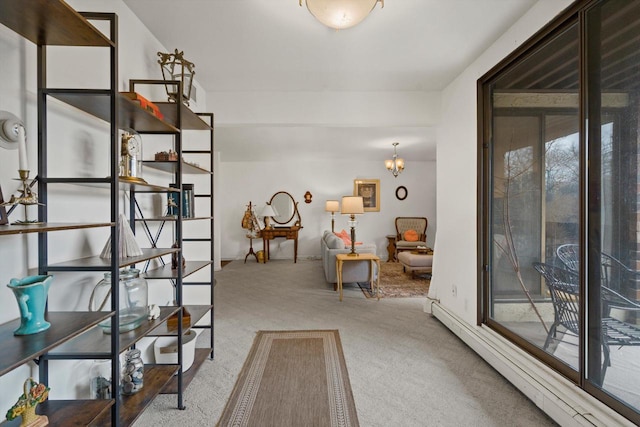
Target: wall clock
(401, 192)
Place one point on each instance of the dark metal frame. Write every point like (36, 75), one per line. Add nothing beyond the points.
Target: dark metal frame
(179, 282)
(112, 181)
(587, 377)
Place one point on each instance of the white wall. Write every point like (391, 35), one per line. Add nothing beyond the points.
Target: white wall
(78, 143)
(258, 181)
(455, 263)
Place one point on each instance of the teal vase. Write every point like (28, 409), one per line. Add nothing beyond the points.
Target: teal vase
(31, 294)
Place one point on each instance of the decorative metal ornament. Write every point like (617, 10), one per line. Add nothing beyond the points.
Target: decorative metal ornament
(177, 69)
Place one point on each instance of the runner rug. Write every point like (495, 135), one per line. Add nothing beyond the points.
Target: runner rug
(292, 378)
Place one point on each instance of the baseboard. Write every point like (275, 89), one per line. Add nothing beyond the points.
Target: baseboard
(565, 403)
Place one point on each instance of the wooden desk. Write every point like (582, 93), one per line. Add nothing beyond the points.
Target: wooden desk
(289, 233)
(342, 258)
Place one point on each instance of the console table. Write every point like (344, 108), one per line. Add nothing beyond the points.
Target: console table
(289, 233)
(373, 259)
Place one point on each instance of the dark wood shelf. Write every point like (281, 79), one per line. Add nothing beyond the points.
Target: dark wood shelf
(165, 272)
(17, 350)
(49, 226)
(172, 218)
(50, 22)
(156, 378)
(97, 263)
(70, 412)
(142, 187)
(190, 120)
(98, 104)
(171, 166)
(201, 354)
(197, 312)
(96, 341)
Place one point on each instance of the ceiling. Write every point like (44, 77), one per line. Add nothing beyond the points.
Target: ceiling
(278, 46)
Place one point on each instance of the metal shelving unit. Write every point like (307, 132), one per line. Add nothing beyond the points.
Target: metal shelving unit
(75, 335)
(181, 118)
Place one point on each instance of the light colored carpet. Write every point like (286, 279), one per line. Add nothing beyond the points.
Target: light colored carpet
(293, 377)
(406, 368)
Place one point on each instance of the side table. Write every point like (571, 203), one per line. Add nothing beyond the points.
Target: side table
(391, 247)
(342, 258)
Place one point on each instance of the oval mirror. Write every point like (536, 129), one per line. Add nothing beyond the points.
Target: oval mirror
(284, 205)
(401, 192)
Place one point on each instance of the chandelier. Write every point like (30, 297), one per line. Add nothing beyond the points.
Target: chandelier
(395, 165)
(341, 14)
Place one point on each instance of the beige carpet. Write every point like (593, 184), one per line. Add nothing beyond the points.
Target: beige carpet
(406, 369)
(292, 378)
(395, 283)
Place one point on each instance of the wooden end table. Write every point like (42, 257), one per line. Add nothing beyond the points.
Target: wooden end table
(342, 258)
(391, 247)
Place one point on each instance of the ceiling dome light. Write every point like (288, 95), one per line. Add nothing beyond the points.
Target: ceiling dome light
(341, 14)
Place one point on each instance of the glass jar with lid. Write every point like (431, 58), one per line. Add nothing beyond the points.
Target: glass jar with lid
(132, 379)
(133, 296)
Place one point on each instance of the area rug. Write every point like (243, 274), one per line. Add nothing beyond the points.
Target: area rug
(292, 378)
(395, 283)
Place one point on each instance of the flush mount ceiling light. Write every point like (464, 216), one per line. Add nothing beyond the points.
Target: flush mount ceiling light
(341, 14)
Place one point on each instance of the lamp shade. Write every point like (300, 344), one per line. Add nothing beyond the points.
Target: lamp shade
(268, 211)
(352, 205)
(340, 14)
(332, 206)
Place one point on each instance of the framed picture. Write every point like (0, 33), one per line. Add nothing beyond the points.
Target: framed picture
(369, 190)
(4, 219)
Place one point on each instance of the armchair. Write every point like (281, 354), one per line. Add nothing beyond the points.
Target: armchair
(410, 241)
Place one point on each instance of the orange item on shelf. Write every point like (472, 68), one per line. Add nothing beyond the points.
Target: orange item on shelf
(144, 103)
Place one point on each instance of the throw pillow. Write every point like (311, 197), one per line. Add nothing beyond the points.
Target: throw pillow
(346, 238)
(411, 236)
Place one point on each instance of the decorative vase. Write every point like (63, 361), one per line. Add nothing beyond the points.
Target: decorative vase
(31, 294)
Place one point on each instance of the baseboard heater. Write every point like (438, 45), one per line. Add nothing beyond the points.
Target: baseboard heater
(562, 400)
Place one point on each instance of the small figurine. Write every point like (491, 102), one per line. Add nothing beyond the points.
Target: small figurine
(34, 393)
(154, 312)
(174, 259)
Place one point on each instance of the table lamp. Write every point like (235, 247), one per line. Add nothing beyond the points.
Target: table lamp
(332, 206)
(352, 205)
(267, 213)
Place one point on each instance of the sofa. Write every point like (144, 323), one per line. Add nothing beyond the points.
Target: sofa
(352, 272)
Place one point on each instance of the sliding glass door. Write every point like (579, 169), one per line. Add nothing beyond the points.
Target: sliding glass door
(560, 199)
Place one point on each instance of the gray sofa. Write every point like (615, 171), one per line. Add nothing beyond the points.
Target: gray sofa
(351, 271)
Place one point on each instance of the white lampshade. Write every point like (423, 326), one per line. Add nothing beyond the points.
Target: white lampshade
(332, 206)
(268, 211)
(352, 205)
(341, 14)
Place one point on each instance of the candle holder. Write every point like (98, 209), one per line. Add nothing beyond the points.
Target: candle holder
(26, 198)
